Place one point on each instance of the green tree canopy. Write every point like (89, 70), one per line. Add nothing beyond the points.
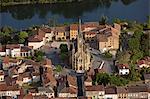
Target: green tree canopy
(58, 68)
(134, 44)
(103, 78)
(123, 57)
(63, 48)
(22, 36)
(103, 20)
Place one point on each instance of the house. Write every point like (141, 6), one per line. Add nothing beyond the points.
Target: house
(138, 91)
(37, 40)
(72, 80)
(110, 92)
(26, 51)
(88, 81)
(13, 50)
(123, 69)
(1, 76)
(88, 26)
(147, 78)
(108, 37)
(145, 62)
(24, 78)
(90, 35)
(68, 92)
(2, 50)
(42, 91)
(49, 78)
(48, 91)
(17, 50)
(122, 93)
(95, 92)
(61, 33)
(73, 31)
(49, 33)
(8, 62)
(11, 91)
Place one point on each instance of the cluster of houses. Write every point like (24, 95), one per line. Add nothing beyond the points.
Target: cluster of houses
(19, 77)
(123, 69)
(27, 79)
(106, 37)
(23, 79)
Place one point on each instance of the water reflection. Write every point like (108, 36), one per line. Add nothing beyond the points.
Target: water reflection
(69, 10)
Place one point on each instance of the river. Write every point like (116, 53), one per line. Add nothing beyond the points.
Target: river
(23, 16)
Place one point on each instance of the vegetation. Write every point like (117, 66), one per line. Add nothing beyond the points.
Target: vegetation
(12, 2)
(9, 35)
(103, 20)
(58, 68)
(107, 55)
(123, 57)
(104, 78)
(22, 36)
(64, 51)
(38, 56)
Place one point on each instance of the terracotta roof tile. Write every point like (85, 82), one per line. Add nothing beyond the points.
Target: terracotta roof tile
(123, 66)
(70, 89)
(12, 46)
(95, 88)
(110, 90)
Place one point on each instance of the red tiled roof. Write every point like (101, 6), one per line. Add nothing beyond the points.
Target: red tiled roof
(1, 72)
(72, 80)
(74, 27)
(110, 90)
(91, 24)
(25, 48)
(4, 87)
(2, 48)
(38, 37)
(94, 88)
(138, 88)
(70, 89)
(90, 33)
(12, 46)
(123, 66)
(6, 60)
(46, 30)
(145, 60)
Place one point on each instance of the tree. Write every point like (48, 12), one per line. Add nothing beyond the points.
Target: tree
(134, 75)
(118, 81)
(64, 51)
(38, 56)
(63, 56)
(136, 56)
(145, 46)
(134, 44)
(102, 78)
(138, 34)
(123, 57)
(63, 48)
(22, 36)
(58, 68)
(103, 20)
(107, 55)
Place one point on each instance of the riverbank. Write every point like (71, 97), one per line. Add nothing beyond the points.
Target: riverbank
(37, 2)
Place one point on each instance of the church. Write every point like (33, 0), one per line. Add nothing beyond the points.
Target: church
(81, 57)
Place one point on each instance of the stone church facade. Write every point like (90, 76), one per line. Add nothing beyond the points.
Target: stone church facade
(81, 57)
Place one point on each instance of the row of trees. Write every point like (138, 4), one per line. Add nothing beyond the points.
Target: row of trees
(10, 35)
(105, 79)
(36, 1)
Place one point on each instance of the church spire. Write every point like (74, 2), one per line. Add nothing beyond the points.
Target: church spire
(80, 30)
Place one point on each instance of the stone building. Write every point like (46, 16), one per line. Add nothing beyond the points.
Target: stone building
(81, 57)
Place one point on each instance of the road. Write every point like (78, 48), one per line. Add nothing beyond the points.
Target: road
(108, 63)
